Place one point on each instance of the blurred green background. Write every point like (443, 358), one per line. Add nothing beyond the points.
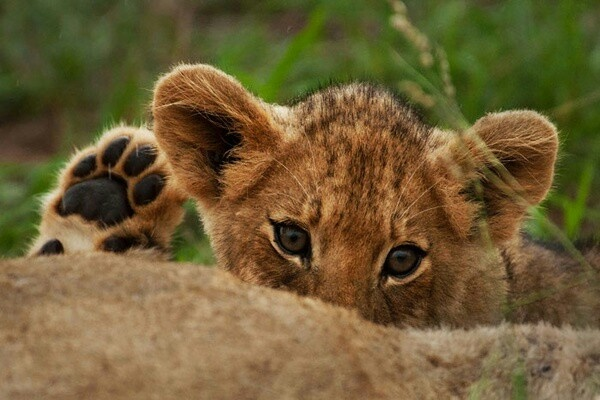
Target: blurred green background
(70, 68)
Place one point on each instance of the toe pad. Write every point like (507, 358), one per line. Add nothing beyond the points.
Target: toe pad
(114, 151)
(85, 167)
(120, 244)
(51, 247)
(148, 189)
(139, 159)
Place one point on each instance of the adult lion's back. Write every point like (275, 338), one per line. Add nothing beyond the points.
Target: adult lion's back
(115, 327)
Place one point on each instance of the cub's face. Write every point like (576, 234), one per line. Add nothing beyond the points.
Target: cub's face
(347, 210)
(347, 196)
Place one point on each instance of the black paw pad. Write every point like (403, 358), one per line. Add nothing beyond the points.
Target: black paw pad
(148, 189)
(119, 244)
(114, 151)
(101, 199)
(139, 159)
(51, 247)
(86, 166)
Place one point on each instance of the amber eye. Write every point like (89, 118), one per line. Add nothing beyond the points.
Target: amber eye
(402, 261)
(292, 239)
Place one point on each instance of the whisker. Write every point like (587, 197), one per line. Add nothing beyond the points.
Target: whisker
(417, 199)
(426, 210)
(312, 155)
(293, 176)
(405, 184)
(280, 195)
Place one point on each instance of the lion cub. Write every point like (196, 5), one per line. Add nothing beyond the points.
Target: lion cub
(349, 197)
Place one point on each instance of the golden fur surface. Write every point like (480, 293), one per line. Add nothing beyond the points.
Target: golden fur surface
(105, 326)
(360, 173)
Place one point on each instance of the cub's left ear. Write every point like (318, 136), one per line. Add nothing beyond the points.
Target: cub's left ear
(207, 124)
(507, 161)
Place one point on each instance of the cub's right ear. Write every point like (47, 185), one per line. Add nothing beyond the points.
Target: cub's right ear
(506, 164)
(206, 122)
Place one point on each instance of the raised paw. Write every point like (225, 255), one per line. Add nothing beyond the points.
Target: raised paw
(114, 196)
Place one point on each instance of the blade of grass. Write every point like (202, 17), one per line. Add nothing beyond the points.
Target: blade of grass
(575, 211)
(570, 106)
(303, 40)
(454, 116)
(519, 381)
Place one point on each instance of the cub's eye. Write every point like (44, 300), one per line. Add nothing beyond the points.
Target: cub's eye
(402, 261)
(292, 239)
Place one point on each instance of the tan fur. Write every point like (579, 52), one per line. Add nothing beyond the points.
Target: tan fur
(110, 327)
(362, 173)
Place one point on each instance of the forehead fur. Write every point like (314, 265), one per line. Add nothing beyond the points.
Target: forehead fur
(360, 104)
(350, 158)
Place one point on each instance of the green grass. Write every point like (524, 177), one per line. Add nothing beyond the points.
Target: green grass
(94, 63)
(21, 188)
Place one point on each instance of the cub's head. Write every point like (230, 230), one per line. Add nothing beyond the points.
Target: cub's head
(349, 197)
